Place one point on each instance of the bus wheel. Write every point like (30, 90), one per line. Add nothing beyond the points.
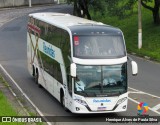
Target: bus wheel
(33, 71)
(63, 101)
(36, 77)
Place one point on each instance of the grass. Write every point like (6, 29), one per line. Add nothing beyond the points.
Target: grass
(6, 108)
(129, 26)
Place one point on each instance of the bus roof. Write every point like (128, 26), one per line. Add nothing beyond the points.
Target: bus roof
(67, 21)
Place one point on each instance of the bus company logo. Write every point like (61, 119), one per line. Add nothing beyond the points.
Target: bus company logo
(142, 108)
(48, 50)
(102, 100)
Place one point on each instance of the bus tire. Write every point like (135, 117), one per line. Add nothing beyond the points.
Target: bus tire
(33, 71)
(63, 100)
(36, 76)
(36, 79)
(39, 85)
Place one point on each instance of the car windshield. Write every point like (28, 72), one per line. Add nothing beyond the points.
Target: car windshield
(99, 47)
(97, 81)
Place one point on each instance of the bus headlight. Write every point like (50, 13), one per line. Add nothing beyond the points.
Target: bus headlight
(121, 100)
(82, 102)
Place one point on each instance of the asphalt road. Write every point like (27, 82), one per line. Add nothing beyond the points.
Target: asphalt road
(13, 58)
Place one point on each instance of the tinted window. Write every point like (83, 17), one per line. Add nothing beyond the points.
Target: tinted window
(51, 35)
(101, 80)
(58, 38)
(100, 47)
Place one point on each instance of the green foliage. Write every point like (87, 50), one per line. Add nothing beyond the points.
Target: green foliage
(120, 8)
(5, 108)
(129, 26)
(96, 5)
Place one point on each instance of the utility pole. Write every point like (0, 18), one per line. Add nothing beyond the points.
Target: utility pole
(13, 3)
(30, 3)
(139, 25)
(58, 2)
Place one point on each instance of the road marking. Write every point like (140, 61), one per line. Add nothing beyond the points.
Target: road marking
(152, 109)
(148, 107)
(155, 108)
(40, 113)
(136, 92)
(145, 93)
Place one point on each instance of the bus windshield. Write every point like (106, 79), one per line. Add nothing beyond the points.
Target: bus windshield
(97, 81)
(98, 47)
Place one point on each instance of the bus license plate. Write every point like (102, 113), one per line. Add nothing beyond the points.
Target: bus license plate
(101, 108)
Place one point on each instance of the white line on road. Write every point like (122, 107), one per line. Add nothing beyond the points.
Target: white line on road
(148, 107)
(136, 92)
(40, 113)
(145, 93)
(155, 108)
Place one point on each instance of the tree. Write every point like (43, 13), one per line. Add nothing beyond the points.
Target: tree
(81, 8)
(123, 8)
(120, 8)
(155, 9)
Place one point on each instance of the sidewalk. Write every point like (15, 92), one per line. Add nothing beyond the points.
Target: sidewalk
(8, 14)
(13, 105)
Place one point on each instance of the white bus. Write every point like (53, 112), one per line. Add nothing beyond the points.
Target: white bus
(82, 63)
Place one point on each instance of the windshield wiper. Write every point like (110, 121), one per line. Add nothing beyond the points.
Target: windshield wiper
(101, 87)
(109, 94)
(82, 90)
(114, 93)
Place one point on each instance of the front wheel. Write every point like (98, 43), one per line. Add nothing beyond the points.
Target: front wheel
(63, 102)
(36, 78)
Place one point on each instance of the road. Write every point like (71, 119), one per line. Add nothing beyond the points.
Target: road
(143, 88)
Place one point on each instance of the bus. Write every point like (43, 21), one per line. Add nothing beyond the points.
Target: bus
(82, 63)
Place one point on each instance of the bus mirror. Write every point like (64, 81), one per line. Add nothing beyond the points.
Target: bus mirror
(73, 70)
(134, 68)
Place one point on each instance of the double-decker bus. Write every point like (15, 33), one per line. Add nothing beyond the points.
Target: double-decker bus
(82, 63)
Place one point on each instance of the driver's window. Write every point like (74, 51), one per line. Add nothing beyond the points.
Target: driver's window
(69, 81)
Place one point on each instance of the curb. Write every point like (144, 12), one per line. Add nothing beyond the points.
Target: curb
(4, 73)
(147, 58)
